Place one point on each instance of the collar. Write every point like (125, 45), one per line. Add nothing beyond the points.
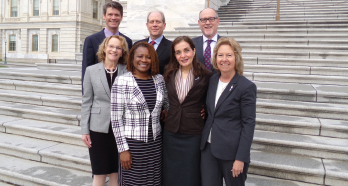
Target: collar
(215, 38)
(158, 40)
(108, 33)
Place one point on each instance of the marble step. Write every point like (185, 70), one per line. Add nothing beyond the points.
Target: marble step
(299, 16)
(53, 153)
(34, 74)
(5, 184)
(65, 67)
(303, 48)
(227, 19)
(226, 11)
(295, 54)
(305, 70)
(41, 87)
(41, 99)
(44, 130)
(302, 109)
(20, 171)
(43, 113)
(302, 125)
(297, 78)
(283, 23)
(336, 172)
(295, 61)
(257, 180)
(302, 92)
(298, 144)
(288, 167)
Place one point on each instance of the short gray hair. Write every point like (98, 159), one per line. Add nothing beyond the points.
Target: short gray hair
(199, 15)
(162, 14)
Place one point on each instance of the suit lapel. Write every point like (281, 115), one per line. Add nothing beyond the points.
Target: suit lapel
(159, 92)
(161, 47)
(172, 83)
(103, 79)
(138, 95)
(101, 37)
(196, 80)
(212, 93)
(199, 49)
(228, 90)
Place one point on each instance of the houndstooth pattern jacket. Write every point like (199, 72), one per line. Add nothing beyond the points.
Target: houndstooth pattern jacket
(129, 112)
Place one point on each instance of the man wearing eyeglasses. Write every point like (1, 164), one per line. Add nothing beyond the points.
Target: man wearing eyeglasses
(208, 23)
(156, 23)
(112, 14)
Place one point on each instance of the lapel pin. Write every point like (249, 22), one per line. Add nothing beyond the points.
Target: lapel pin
(197, 78)
(231, 88)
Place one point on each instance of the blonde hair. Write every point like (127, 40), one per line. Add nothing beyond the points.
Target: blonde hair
(103, 46)
(237, 49)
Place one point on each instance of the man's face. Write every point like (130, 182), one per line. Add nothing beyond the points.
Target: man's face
(209, 28)
(112, 18)
(155, 25)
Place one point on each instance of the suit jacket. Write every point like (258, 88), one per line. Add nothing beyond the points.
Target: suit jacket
(186, 117)
(198, 41)
(90, 49)
(95, 109)
(129, 112)
(163, 52)
(232, 121)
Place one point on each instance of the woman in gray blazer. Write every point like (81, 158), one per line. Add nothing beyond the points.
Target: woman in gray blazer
(229, 129)
(95, 110)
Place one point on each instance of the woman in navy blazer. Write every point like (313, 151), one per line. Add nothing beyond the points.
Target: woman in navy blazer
(231, 111)
(95, 110)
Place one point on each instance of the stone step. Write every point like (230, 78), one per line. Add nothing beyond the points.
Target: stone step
(302, 125)
(51, 131)
(296, 47)
(43, 113)
(295, 16)
(302, 92)
(257, 180)
(41, 87)
(25, 172)
(270, 11)
(52, 66)
(281, 22)
(298, 78)
(284, 69)
(302, 109)
(34, 74)
(42, 99)
(295, 54)
(295, 61)
(288, 167)
(227, 19)
(296, 144)
(53, 153)
(5, 184)
(336, 172)
(299, 42)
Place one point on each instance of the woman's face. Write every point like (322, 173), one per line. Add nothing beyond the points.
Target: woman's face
(142, 60)
(184, 54)
(113, 50)
(225, 59)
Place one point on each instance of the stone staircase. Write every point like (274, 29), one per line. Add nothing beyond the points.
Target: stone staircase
(300, 66)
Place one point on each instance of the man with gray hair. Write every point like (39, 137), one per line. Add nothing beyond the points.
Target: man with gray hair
(208, 23)
(156, 23)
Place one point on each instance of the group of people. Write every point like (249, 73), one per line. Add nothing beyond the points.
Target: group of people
(166, 113)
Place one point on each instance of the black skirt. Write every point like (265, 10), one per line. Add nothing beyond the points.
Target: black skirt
(181, 159)
(103, 153)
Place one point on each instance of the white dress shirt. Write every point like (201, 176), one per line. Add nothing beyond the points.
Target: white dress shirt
(158, 41)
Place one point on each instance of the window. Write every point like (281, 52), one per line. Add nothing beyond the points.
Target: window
(36, 7)
(12, 43)
(14, 7)
(95, 9)
(55, 7)
(35, 43)
(54, 43)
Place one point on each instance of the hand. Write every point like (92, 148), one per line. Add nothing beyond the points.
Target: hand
(237, 168)
(126, 159)
(203, 112)
(87, 140)
(164, 115)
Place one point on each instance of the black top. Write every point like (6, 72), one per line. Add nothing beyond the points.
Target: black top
(108, 77)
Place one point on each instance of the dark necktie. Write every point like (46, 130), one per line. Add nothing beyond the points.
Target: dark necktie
(153, 43)
(207, 55)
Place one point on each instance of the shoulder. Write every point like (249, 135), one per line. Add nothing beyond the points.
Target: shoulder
(246, 83)
(197, 38)
(141, 41)
(94, 66)
(159, 78)
(96, 35)
(127, 38)
(166, 40)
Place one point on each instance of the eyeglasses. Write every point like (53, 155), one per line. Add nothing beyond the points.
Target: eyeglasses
(113, 47)
(211, 19)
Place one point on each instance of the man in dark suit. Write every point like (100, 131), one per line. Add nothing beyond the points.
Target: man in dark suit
(112, 14)
(208, 23)
(156, 23)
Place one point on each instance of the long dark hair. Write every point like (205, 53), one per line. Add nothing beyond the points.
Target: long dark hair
(199, 69)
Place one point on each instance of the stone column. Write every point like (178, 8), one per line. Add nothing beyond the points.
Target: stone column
(178, 13)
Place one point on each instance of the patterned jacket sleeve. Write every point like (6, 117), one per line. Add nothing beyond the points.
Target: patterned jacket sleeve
(117, 111)
(165, 96)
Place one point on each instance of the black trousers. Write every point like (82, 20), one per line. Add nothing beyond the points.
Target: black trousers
(214, 169)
